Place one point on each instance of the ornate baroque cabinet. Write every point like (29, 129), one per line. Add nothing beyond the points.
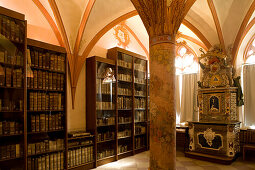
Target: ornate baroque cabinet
(215, 137)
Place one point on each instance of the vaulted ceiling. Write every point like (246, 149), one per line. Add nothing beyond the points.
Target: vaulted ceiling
(78, 25)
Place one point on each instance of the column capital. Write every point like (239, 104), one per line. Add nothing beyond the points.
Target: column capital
(162, 39)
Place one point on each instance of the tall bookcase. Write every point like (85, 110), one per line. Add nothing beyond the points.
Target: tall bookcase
(116, 104)
(132, 89)
(46, 106)
(12, 89)
(101, 108)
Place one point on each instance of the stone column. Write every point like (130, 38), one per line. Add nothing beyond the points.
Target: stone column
(162, 104)
(162, 19)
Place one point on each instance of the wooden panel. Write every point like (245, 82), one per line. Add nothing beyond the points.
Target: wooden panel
(47, 46)
(11, 13)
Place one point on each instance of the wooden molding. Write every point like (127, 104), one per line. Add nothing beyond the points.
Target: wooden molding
(50, 21)
(239, 38)
(197, 32)
(61, 26)
(137, 39)
(217, 24)
(193, 40)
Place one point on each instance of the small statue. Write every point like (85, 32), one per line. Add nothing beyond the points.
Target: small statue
(237, 84)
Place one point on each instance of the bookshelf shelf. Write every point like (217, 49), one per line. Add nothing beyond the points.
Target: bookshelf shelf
(107, 157)
(47, 152)
(81, 165)
(122, 153)
(78, 146)
(124, 137)
(12, 88)
(47, 120)
(104, 141)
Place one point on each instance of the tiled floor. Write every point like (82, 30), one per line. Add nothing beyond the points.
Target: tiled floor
(141, 162)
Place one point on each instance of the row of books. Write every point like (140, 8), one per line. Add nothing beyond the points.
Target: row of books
(140, 103)
(140, 67)
(54, 161)
(139, 116)
(124, 133)
(124, 119)
(46, 80)
(12, 29)
(11, 77)
(41, 101)
(140, 142)
(7, 58)
(45, 146)
(139, 129)
(140, 80)
(10, 128)
(11, 105)
(105, 105)
(125, 77)
(74, 143)
(122, 148)
(47, 122)
(10, 151)
(124, 102)
(80, 156)
(108, 135)
(125, 64)
(104, 88)
(140, 93)
(105, 152)
(46, 60)
(124, 91)
(105, 121)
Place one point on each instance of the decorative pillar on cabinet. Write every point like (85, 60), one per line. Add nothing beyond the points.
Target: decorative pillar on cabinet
(162, 19)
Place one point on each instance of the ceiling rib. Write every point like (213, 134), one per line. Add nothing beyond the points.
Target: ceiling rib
(239, 36)
(50, 21)
(217, 24)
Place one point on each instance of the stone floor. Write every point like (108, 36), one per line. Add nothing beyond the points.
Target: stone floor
(141, 162)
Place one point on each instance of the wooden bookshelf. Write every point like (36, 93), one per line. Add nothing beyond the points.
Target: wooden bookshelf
(129, 64)
(12, 89)
(46, 103)
(101, 108)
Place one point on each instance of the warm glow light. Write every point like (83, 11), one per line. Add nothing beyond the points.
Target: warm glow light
(251, 60)
(253, 43)
(250, 52)
(252, 127)
(182, 51)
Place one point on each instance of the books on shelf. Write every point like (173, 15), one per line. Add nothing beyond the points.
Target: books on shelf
(105, 121)
(78, 134)
(49, 61)
(10, 151)
(124, 102)
(10, 128)
(103, 136)
(54, 161)
(42, 101)
(79, 156)
(47, 122)
(45, 146)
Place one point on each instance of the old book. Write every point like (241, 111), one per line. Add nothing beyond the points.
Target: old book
(59, 62)
(35, 85)
(29, 164)
(46, 80)
(37, 123)
(59, 160)
(47, 100)
(50, 81)
(36, 58)
(55, 161)
(40, 60)
(42, 122)
(47, 60)
(33, 123)
(35, 101)
(12, 128)
(18, 150)
(62, 161)
(44, 60)
(32, 55)
(12, 151)
(31, 101)
(8, 77)
(52, 63)
(39, 101)
(2, 77)
(50, 121)
(43, 80)
(51, 161)
(39, 79)
(56, 62)
(54, 81)
(43, 96)
(47, 162)
(43, 163)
